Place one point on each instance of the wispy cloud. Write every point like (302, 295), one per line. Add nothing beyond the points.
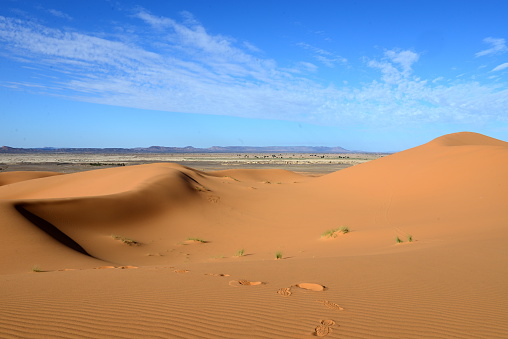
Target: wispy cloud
(251, 47)
(327, 58)
(500, 67)
(59, 14)
(178, 66)
(396, 65)
(498, 46)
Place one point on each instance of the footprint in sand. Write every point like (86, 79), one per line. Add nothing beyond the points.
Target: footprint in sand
(213, 199)
(180, 271)
(324, 328)
(242, 282)
(311, 286)
(285, 291)
(331, 305)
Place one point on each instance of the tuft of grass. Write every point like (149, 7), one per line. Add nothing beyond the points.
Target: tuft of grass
(125, 240)
(278, 255)
(410, 238)
(240, 253)
(333, 232)
(36, 269)
(197, 239)
(330, 233)
(398, 240)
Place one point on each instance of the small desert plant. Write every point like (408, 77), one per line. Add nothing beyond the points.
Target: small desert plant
(330, 233)
(333, 232)
(36, 268)
(410, 238)
(278, 255)
(398, 240)
(197, 239)
(125, 240)
(240, 253)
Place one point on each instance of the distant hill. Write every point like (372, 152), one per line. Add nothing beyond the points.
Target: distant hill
(188, 149)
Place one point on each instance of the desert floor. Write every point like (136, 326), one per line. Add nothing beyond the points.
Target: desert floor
(300, 162)
(408, 245)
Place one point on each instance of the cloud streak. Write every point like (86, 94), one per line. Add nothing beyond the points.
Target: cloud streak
(327, 58)
(498, 46)
(181, 67)
(500, 67)
(59, 14)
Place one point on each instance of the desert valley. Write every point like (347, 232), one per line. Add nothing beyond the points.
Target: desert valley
(408, 245)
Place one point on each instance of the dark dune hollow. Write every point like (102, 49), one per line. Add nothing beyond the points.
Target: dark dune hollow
(50, 229)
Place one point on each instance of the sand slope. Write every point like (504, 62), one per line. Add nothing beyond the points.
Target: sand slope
(13, 177)
(447, 196)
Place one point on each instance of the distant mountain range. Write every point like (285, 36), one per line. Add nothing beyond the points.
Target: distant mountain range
(188, 149)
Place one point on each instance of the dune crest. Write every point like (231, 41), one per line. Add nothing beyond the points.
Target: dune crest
(467, 139)
(7, 178)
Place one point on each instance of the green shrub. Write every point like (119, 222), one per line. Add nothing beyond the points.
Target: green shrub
(197, 239)
(37, 269)
(333, 232)
(125, 240)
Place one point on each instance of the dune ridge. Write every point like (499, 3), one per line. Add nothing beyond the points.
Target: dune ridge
(7, 178)
(424, 255)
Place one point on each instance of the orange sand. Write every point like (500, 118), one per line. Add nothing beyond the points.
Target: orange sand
(189, 254)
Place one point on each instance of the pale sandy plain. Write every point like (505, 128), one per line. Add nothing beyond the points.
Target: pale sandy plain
(451, 281)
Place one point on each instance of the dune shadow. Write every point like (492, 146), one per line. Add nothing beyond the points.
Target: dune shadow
(51, 230)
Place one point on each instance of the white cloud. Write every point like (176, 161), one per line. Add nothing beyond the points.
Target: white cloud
(307, 66)
(500, 67)
(327, 58)
(181, 67)
(154, 21)
(251, 47)
(498, 46)
(396, 65)
(59, 14)
(404, 58)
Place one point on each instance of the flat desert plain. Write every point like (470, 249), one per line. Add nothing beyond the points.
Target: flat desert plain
(410, 245)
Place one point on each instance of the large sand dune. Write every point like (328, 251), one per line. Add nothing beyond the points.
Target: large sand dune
(168, 239)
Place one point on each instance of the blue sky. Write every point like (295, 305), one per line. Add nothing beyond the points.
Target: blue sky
(364, 75)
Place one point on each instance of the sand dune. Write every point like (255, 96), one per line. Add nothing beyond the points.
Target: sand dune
(13, 177)
(205, 246)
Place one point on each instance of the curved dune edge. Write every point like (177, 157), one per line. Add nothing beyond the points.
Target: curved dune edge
(7, 178)
(448, 196)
